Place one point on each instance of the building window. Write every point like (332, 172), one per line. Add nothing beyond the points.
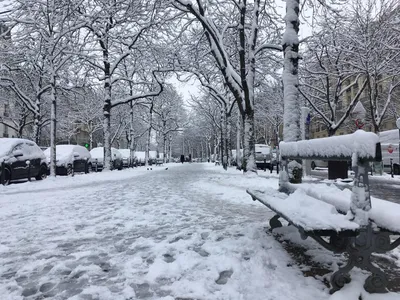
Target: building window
(5, 130)
(6, 110)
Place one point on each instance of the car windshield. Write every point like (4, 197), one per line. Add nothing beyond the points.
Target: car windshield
(6, 145)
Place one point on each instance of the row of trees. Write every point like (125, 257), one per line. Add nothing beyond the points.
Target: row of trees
(353, 57)
(106, 64)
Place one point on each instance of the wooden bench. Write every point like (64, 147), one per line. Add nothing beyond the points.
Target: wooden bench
(159, 162)
(355, 233)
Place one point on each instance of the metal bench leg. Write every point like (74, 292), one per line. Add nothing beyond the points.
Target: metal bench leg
(274, 222)
(341, 276)
(377, 281)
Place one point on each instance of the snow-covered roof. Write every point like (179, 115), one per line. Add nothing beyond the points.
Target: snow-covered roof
(65, 153)
(126, 153)
(360, 142)
(389, 136)
(152, 154)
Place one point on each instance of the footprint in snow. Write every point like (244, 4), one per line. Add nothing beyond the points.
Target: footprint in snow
(168, 258)
(224, 276)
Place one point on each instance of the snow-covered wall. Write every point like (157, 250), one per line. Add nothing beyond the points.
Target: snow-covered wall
(362, 143)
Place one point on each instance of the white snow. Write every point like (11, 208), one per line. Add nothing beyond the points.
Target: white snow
(65, 153)
(362, 143)
(384, 213)
(29, 150)
(300, 209)
(98, 153)
(187, 232)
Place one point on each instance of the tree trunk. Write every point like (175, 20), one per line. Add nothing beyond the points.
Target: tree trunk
(107, 126)
(170, 148)
(291, 114)
(249, 142)
(222, 138)
(147, 153)
(165, 148)
(228, 139)
(36, 128)
(53, 120)
(238, 139)
(53, 131)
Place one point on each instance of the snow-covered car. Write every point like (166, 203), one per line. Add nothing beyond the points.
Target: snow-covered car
(70, 158)
(22, 159)
(263, 156)
(97, 159)
(126, 156)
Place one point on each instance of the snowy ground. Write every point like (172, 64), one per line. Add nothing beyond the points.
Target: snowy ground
(189, 232)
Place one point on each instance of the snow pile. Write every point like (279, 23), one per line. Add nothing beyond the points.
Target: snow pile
(29, 150)
(65, 154)
(362, 143)
(126, 153)
(384, 213)
(300, 209)
(6, 145)
(126, 239)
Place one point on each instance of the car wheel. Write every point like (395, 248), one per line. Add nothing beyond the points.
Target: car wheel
(69, 170)
(313, 165)
(7, 177)
(42, 174)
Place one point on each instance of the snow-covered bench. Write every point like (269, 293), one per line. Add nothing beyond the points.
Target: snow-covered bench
(355, 233)
(159, 162)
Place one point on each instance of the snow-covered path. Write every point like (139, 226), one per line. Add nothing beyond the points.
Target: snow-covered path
(189, 232)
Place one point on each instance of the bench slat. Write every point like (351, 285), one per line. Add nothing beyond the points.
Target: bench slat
(305, 212)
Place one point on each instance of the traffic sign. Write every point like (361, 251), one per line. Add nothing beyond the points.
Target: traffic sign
(390, 149)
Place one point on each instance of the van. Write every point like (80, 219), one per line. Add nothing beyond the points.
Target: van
(390, 138)
(263, 156)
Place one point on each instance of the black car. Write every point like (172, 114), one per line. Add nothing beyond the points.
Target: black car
(22, 159)
(70, 159)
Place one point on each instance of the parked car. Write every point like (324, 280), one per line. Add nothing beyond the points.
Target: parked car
(126, 156)
(70, 158)
(97, 159)
(263, 156)
(23, 159)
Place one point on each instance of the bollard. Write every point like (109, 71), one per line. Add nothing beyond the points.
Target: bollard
(391, 167)
(3, 168)
(73, 169)
(95, 165)
(28, 162)
(86, 166)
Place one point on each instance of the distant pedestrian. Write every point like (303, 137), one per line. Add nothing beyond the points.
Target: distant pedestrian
(182, 158)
